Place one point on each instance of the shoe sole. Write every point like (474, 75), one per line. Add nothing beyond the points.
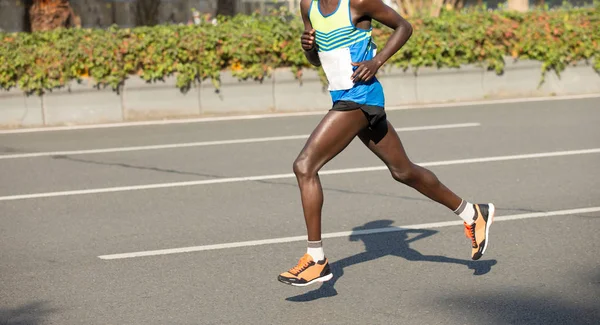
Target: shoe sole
(321, 279)
(491, 213)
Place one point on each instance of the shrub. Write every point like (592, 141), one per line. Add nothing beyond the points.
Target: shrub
(252, 46)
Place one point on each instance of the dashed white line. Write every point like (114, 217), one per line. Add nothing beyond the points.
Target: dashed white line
(212, 143)
(308, 113)
(340, 234)
(291, 175)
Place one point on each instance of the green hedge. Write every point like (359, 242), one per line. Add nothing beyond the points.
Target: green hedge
(252, 46)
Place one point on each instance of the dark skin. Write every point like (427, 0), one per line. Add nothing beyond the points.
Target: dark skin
(338, 128)
(363, 11)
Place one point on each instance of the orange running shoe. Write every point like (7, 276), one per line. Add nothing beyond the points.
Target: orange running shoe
(307, 272)
(479, 231)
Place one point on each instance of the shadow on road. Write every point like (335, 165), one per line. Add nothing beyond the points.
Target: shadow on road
(8, 150)
(29, 314)
(521, 307)
(156, 169)
(386, 244)
(416, 197)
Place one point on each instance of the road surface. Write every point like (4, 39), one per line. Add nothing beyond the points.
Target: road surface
(190, 223)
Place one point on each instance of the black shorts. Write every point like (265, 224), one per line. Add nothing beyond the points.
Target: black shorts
(374, 114)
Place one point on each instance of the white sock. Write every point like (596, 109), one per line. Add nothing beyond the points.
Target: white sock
(466, 212)
(315, 249)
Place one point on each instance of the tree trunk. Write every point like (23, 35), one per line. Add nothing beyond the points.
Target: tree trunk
(401, 8)
(27, 16)
(518, 5)
(436, 8)
(146, 12)
(226, 7)
(410, 8)
(52, 14)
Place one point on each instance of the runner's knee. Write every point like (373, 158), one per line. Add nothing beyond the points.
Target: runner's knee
(404, 175)
(303, 167)
(415, 175)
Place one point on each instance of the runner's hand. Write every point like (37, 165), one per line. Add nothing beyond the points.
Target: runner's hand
(308, 40)
(365, 71)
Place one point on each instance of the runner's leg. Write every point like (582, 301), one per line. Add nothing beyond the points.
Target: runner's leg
(334, 133)
(330, 137)
(384, 142)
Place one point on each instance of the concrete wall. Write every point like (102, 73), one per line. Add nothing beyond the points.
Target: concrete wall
(138, 100)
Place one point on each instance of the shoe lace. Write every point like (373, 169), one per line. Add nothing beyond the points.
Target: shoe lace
(470, 233)
(303, 263)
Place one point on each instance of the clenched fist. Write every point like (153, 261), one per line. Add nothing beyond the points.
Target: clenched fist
(308, 40)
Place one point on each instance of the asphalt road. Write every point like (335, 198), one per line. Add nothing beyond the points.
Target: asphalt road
(68, 215)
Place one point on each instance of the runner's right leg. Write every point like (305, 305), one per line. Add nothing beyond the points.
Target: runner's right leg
(334, 133)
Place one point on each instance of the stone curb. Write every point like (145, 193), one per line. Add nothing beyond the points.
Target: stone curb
(139, 100)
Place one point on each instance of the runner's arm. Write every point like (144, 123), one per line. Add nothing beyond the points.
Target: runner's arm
(377, 10)
(309, 45)
(382, 13)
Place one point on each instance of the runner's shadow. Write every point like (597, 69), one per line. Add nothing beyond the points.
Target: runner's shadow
(33, 313)
(393, 243)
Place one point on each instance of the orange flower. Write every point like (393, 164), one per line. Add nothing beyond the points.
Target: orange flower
(236, 66)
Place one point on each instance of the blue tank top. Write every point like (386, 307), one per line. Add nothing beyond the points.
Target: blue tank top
(340, 43)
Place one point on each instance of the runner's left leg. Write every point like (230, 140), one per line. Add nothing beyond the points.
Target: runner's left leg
(385, 143)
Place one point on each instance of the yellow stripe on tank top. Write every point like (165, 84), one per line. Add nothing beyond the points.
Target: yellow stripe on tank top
(339, 19)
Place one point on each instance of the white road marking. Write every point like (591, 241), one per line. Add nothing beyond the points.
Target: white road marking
(291, 175)
(341, 234)
(309, 113)
(212, 143)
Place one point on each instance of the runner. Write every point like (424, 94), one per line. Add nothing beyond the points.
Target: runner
(337, 36)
